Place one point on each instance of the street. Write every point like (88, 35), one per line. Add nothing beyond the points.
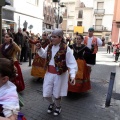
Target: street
(87, 106)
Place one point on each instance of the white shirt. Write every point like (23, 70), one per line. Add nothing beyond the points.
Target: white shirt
(70, 60)
(9, 99)
(89, 43)
(6, 46)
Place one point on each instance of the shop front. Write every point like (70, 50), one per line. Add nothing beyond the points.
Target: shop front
(8, 19)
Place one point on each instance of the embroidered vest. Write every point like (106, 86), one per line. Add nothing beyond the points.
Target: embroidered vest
(59, 58)
(94, 41)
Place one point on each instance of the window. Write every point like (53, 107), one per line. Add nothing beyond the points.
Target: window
(33, 2)
(98, 22)
(79, 23)
(80, 14)
(100, 5)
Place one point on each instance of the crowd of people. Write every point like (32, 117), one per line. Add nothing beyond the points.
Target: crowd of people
(62, 66)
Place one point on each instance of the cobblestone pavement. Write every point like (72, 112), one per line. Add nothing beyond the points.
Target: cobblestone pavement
(87, 106)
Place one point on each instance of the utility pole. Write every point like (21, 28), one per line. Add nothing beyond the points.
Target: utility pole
(58, 13)
(58, 8)
(67, 17)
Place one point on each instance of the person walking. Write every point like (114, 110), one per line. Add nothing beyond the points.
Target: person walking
(38, 62)
(117, 52)
(59, 60)
(25, 47)
(109, 47)
(19, 41)
(83, 76)
(91, 41)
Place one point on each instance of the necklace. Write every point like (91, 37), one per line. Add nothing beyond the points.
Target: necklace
(77, 51)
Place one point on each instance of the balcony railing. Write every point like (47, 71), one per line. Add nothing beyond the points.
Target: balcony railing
(99, 11)
(98, 27)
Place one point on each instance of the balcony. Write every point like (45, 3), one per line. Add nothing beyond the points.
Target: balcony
(99, 11)
(98, 27)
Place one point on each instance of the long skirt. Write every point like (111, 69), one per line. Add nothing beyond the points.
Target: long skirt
(18, 80)
(38, 67)
(82, 78)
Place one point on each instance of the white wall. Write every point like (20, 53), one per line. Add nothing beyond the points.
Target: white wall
(87, 19)
(107, 22)
(37, 23)
(109, 6)
(24, 7)
(30, 13)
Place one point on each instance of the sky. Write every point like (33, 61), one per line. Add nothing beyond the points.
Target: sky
(88, 3)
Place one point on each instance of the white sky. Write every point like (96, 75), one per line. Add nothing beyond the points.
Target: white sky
(88, 3)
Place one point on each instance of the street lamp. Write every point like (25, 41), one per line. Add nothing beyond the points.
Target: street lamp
(58, 16)
(2, 3)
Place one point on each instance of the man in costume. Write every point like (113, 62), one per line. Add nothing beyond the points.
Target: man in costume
(59, 58)
(91, 41)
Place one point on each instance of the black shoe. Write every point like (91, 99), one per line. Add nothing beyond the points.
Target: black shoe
(50, 108)
(57, 111)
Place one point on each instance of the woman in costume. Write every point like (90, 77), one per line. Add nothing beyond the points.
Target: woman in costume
(82, 77)
(38, 62)
(10, 50)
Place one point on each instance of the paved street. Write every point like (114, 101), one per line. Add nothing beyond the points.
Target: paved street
(89, 106)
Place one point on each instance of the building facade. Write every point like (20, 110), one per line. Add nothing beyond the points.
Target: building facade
(102, 18)
(49, 15)
(68, 17)
(26, 14)
(83, 19)
(116, 23)
(78, 17)
(75, 18)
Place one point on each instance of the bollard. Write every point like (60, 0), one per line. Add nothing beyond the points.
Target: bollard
(30, 57)
(110, 89)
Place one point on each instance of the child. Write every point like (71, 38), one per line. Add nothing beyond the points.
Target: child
(9, 101)
(83, 76)
(59, 58)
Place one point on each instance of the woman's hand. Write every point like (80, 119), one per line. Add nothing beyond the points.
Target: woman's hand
(38, 46)
(72, 81)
